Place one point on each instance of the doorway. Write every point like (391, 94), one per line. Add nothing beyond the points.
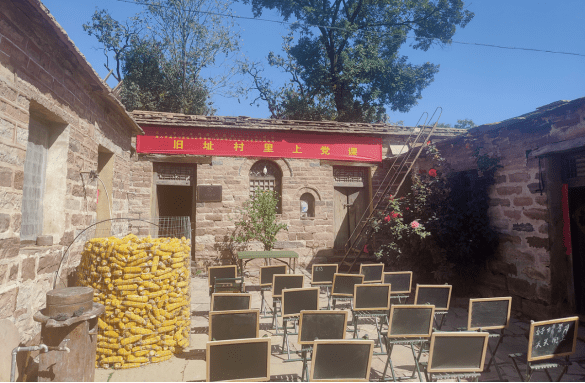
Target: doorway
(175, 197)
(349, 205)
(577, 219)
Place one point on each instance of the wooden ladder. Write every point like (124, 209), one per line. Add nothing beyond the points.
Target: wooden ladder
(400, 168)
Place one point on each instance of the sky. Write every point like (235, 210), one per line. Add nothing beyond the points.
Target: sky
(480, 83)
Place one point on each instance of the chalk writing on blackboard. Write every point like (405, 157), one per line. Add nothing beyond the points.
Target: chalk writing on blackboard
(552, 338)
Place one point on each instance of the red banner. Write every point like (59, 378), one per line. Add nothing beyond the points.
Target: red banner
(247, 143)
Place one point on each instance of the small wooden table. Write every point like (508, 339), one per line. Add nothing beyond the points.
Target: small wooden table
(247, 256)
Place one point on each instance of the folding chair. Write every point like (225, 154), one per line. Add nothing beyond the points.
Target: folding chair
(319, 325)
(549, 339)
(341, 360)
(237, 324)
(238, 360)
(279, 283)
(266, 273)
(214, 272)
(293, 302)
(342, 289)
(408, 325)
(490, 314)
(456, 355)
(231, 301)
(322, 275)
(372, 272)
(401, 282)
(371, 301)
(228, 285)
(437, 295)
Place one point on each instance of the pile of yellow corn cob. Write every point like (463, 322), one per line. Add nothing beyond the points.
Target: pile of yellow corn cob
(144, 284)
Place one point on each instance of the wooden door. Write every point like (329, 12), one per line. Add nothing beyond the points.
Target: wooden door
(349, 205)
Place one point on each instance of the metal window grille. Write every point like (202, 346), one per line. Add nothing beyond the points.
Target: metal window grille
(349, 174)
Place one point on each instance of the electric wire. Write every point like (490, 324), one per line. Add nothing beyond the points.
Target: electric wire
(297, 24)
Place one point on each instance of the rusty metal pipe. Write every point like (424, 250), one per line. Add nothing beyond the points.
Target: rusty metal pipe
(41, 346)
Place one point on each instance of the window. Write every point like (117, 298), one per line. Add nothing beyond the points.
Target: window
(266, 175)
(45, 176)
(307, 205)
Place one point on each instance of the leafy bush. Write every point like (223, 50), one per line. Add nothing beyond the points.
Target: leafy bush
(258, 221)
(441, 224)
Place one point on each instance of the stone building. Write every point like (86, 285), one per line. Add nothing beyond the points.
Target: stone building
(58, 122)
(537, 206)
(325, 182)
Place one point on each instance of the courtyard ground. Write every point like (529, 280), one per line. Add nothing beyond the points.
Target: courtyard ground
(190, 365)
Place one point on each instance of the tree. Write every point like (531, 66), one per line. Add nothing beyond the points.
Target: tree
(461, 124)
(148, 85)
(348, 50)
(258, 222)
(176, 41)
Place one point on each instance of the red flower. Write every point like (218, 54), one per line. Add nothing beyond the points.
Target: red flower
(394, 215)
(428, 142)
(421, 171)
(387, 218)
(407, 208)
(414, 224)
(432, 173)
(366, 249)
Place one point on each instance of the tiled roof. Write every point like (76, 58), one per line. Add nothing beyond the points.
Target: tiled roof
(241, 122)
(75, 57)
(535, 119)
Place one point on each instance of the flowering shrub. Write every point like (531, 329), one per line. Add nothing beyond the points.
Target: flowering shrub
(441, 226)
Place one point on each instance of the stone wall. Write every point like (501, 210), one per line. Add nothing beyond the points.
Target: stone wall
(41, 75)
(519, 210)
(308, 236)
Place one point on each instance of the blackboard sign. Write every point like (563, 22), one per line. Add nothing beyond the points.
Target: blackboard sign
(489, 313)
(221, 272)
(452, 352)
(372, 273)
(371, 297)
(411, 321)
(401, 281)
(552, 338)
(340, 360)
(295, 300)
(285, 281)
(208, 193)
(231, 301)
(242, 359)
(266, 273)
(322, 325)
(322, 274)
(343, 284)
(241, 324)
(437, 295)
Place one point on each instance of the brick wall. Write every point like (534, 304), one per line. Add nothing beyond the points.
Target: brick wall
(39, 75)
(519, 211)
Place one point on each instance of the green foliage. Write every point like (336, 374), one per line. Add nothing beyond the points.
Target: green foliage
(150, 83)
(461, 124)
(352, 58)
(455, 236)
(258, 221)
(465, 124)
(171, 44)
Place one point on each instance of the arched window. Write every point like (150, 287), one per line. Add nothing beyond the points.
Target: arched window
(266, 175)
(307, 205)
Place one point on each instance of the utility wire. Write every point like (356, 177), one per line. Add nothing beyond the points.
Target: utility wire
(347, 30)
